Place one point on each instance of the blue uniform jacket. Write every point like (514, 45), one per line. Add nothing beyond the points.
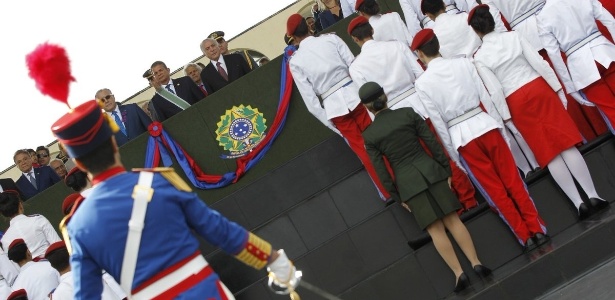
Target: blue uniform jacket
(98, 231)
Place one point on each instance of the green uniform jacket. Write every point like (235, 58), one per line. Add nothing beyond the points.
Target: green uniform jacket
(395, 134)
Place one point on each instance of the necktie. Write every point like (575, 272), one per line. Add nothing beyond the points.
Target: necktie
(221, 71)
(168, 87)
(202, 87)
(32, 179)
(119, 122)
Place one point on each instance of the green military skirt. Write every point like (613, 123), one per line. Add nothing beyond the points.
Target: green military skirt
(433, 203)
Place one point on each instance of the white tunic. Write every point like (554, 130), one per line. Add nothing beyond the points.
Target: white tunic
(456, 37)
(392, 66)
(8, 269)
(347, 7)
(35, 230)
(389, 27)
(506, 62)
(448, 89)
(319, 64)
(518, 11)
(38, 279)
(66, 290)
(5, 289)
(564, 23)
(416, 20)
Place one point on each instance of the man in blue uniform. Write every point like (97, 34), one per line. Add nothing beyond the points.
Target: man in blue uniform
(138, 225)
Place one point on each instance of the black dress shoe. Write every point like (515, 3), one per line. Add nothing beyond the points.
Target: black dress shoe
(529, 245)
(462, 283)
(541, 239)
(482, 271)
(584, 211)
(598, 204)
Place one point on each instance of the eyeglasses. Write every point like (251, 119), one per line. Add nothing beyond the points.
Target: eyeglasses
(42, 155)
(106, 98)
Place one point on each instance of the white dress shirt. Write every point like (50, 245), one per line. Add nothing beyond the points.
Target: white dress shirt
(564, 23)
(393, 67)
(164, 86)
(389, 27)
(222, 64)
(119, 113)
(35, 230)
(319, 64)
(519, 11)
(448, 89)
(506, 62)
(456, 37)
(38, 279)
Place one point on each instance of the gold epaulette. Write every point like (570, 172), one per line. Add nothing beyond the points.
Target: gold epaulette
(256, 252)
(170, 175)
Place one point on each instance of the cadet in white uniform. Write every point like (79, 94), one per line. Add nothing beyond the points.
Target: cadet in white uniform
(387, 27)
(393, 66)
(416, 20)
(509, 65)
(320, 71)
(37, 278)
(35, 229)
(452, 92)
(570, 25)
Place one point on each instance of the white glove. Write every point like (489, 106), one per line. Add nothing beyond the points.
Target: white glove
(283, 272)
(562, 97)
(579, 97)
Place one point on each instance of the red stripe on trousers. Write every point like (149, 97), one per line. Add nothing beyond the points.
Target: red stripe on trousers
(493, 166)
(351, 126)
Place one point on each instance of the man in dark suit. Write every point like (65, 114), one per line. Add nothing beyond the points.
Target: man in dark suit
(130, 118)
(219, 37)
(8, 184)
(33, 180)
(222, 69)
(172, 95)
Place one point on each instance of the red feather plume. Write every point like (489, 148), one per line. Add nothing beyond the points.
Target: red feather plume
(50, 68)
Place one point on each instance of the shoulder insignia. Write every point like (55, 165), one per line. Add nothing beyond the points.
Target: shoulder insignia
(170, 175)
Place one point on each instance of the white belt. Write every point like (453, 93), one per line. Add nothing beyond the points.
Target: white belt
(468, 114)
(451, 7)
(343, 82)
(400, 97)
(142, 194)
(582, 43)
(534, 10)
(194, 266)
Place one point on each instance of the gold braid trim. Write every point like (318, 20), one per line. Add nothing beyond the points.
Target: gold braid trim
(256, 252)
(64, 232)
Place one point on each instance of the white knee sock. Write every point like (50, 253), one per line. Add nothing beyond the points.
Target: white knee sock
(561, 174)
(577, 166)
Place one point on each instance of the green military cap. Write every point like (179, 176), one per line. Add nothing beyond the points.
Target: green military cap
(370, 91)
(216, 35)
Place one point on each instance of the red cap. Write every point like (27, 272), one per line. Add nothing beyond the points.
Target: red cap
(421, 38)
(292, 23)
(68, 202)
(18, 294)
(360, 20)
(471, 14)
(357, 4)
(16, 242)
(55, 246)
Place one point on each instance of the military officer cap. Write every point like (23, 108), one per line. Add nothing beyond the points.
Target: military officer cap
(148, 74)
(370, 91)
(216, 35)
(83, 129)
(18, 295)
(421, 38)
(471, 14)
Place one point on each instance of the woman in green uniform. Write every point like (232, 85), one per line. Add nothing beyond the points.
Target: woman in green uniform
(422, 183)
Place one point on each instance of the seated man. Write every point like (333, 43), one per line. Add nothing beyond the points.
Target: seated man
(33, 180)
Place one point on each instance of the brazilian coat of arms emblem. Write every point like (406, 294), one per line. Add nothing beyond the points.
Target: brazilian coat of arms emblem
(240, 129)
